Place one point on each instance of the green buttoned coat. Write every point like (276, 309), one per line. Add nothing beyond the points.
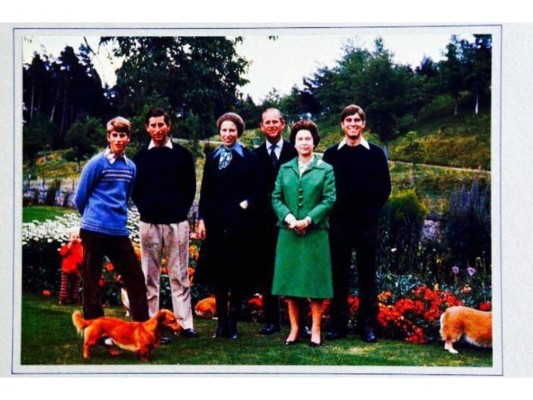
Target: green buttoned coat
(303, 262)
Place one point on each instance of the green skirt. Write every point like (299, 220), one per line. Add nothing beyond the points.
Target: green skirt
(303, 265)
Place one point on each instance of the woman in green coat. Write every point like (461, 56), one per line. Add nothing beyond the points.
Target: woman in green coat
(303, 197)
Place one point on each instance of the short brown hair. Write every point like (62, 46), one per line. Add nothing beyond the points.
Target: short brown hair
(304, 125)
(233, 117)
(119, 124)
(352, 109)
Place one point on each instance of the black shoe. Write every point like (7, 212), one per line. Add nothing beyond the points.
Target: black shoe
(269, 329)
(369, 337)
(221, 332)
(305, 332)
(315, 344)
(164, 340)
(190, 333)
(334, 334)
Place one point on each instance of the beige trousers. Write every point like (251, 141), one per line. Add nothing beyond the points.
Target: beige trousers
(171, 241)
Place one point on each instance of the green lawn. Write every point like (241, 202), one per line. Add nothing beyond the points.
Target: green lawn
(42, 213)
(48, 338)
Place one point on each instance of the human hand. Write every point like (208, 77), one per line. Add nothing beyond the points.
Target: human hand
(300, 226)
(201, 231)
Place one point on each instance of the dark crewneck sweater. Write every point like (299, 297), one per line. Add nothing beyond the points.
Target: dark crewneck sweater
(165, 184)
(362, 181)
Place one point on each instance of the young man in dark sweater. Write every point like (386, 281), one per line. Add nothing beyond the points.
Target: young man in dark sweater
(363, 186)
(163, 193)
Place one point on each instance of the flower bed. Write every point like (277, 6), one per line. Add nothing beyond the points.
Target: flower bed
(409, 305)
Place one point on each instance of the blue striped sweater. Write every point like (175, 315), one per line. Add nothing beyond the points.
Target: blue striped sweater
(103, 194)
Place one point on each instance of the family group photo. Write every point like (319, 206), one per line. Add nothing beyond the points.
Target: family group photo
(285, 202)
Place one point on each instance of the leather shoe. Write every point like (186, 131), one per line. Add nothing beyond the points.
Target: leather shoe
(269, 329)
(164, 340)
(190, 333)
(315, 344)
(369, 337)
(305, 332)
(334, 334)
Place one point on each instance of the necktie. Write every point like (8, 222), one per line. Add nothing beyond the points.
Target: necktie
(225, 158)
(273, 156)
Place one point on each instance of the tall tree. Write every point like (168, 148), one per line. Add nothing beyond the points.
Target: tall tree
(452, 71)
(390, 93)
(84, 138)
(66, 89)
(193, 75)
(478, 64)
(36, 86)
(36, 136)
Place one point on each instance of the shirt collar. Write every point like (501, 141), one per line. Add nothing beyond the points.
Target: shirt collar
(363, 143)
(237, 147)
(112, 157)
(279, 144)
(167, 144)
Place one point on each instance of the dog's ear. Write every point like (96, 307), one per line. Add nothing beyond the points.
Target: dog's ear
(161, 317)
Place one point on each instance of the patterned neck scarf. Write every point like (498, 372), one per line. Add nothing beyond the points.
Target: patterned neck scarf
(225, 157)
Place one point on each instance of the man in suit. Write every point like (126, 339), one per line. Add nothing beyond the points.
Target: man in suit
(272, 153)
(362, 180)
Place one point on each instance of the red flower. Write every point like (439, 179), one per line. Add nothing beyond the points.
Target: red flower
(486, 306)
(46, 293)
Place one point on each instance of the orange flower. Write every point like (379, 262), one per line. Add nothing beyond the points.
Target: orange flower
(109, 267)
(164, 270)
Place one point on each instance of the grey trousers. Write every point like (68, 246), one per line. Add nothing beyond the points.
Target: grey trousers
(170, 241)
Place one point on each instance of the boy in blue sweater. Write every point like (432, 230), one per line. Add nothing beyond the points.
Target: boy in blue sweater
(103, 192)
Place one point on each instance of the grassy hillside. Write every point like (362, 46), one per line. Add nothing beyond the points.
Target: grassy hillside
(439, 139)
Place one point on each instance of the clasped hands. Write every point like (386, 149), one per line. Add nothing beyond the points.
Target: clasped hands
(299, 226)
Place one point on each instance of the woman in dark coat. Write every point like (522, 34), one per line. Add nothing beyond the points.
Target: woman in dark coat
(230, 188)
(303, 197)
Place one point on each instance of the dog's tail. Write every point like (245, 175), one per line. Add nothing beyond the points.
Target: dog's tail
(79, 323)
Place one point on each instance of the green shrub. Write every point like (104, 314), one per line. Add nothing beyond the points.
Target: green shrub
(51, 192)
(400, 231)
(41, 266)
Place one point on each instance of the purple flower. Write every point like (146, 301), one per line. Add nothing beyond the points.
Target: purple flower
(471, 271)
(455, 269)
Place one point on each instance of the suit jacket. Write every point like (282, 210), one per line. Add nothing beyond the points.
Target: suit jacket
(265, 213)
(311, 195)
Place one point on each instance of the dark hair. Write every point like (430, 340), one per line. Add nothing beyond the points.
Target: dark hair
(119, 124)
(235, 118)
(304, 125)
(156, 112)
(352, 109)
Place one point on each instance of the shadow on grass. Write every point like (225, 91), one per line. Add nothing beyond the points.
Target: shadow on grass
(49, 338)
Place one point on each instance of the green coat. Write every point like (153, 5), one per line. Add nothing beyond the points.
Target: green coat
(303, 263)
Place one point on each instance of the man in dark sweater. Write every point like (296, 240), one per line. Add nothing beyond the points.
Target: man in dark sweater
(163, 193)
(363, 186)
